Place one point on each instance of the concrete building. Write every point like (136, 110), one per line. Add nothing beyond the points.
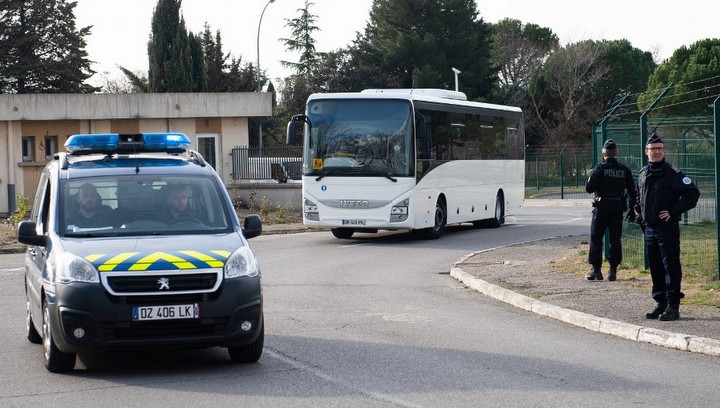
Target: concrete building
(33, 127)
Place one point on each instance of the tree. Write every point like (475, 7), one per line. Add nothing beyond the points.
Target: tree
(224, 76)
(415, 43)
(302, 29)
(215, 60)
(694, 73)
(197, 64)
(41, 50)
(170, 52)
(563, 92)
(133, 82)
(518, 51)
(628, 71)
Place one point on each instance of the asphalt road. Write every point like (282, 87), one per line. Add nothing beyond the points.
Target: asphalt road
(374, 321)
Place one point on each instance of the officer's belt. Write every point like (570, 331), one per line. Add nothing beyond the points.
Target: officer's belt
(598, 198)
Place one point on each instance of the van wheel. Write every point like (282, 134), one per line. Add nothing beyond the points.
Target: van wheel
(249, 353)
(440, 220)
(32, 334)
(342, 233)
(55, 360)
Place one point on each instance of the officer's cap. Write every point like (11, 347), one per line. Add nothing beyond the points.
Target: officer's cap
(654, 138)
(609, 145)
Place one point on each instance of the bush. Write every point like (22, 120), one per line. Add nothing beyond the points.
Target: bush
(23, 207)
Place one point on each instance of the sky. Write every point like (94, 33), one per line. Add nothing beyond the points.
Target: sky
(121, 28)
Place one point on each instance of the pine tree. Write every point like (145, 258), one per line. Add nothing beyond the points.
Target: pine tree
(415, 43)
(199, 79)
(41, 50)
(170, 53)
(302, 28)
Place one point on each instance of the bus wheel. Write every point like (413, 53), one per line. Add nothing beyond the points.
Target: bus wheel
(440, 219)
(342, 233)
(499, 218)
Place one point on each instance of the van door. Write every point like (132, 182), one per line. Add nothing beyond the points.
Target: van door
(35, 256)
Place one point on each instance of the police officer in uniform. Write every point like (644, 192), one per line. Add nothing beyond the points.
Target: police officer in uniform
(609, 181)
(664, 194)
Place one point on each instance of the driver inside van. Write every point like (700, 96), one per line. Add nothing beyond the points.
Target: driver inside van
(87, 209)
(176, 202)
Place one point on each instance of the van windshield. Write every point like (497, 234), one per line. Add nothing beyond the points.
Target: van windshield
(142, 205)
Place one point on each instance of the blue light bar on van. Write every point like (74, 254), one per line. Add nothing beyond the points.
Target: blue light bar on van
(110, 143)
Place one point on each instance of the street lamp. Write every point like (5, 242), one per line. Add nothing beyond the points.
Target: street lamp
(457, 72)
(257, 75)
(258, 43)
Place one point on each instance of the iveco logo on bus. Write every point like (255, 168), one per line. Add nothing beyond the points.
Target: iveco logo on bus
(354, 203)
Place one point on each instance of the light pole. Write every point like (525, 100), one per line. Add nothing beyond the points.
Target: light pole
(457, 72)
(257, 75)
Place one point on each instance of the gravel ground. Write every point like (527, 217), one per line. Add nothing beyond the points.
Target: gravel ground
(528, 269)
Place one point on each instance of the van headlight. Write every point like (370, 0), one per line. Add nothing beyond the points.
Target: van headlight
(242, 262)
(72, 268)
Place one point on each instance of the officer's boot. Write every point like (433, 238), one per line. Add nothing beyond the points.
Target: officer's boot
(595, 274)
(612, 274)
(671, 313)
(659, 309)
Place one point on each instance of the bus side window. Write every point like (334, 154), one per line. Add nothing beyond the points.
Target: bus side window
(421, 137)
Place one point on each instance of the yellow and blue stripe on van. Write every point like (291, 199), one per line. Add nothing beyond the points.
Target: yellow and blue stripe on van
(158, 260)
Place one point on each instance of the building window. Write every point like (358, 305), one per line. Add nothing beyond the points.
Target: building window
(207, 146)
(51, 147)
(28, 148)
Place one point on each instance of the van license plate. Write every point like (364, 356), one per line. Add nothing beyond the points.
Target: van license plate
(166, 312)
(354, 222)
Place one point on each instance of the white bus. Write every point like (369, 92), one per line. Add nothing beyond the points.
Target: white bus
(408, 159)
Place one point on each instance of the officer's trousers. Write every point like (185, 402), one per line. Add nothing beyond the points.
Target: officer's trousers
(663, 251)
(607, 214)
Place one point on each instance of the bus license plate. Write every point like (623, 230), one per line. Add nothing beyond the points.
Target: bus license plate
(166, 312)
(353, 222)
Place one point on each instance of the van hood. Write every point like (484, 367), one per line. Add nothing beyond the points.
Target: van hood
(156, 253)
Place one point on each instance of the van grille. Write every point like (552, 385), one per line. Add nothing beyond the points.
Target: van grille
(161, 282)
(166, 329)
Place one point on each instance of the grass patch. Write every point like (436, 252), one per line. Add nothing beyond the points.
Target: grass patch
(700, 280)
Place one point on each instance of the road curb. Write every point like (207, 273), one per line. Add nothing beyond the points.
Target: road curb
(616, 328)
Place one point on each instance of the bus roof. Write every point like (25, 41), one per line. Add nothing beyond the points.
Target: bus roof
(442, 96)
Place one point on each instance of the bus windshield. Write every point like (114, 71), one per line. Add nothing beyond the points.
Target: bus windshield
(359, 137)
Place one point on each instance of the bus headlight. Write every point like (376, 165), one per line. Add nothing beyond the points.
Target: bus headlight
(399, 211)
(310, 210)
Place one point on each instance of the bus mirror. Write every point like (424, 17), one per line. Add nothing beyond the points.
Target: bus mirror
(292, 127)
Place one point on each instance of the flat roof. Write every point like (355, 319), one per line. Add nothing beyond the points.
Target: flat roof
(24, 107)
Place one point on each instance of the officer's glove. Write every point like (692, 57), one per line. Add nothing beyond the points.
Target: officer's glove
(630, 216)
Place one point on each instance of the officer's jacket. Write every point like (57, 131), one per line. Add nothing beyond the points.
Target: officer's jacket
(661, 186)
(610, 180)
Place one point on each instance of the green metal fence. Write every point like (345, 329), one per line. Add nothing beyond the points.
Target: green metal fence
(690, 146)
(557, 171)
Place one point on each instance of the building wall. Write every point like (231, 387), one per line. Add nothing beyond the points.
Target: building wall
(39, 116)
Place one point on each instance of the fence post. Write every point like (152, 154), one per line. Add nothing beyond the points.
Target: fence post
(716, 119)
(577, 171)
(562, 184)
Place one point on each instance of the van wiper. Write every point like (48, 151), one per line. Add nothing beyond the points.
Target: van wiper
(390, 177)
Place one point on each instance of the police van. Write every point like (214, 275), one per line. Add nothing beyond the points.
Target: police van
(133, 242)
